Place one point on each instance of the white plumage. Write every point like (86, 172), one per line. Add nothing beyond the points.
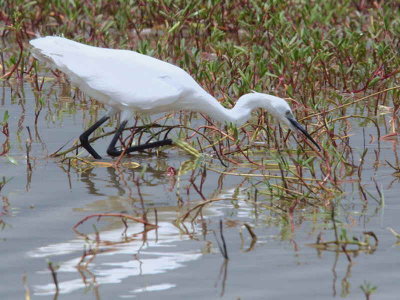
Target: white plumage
(132, 82)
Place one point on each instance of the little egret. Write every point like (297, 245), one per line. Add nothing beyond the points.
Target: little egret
(130, 82)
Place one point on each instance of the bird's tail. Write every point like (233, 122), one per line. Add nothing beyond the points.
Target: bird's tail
(52, 49)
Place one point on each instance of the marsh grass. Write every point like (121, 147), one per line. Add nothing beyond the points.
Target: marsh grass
(336, 62)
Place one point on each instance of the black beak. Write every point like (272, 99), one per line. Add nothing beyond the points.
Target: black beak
(303, 131)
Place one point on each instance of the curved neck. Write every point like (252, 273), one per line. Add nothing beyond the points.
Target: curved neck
(238, 115)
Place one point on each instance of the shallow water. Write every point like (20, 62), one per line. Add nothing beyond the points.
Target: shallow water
(41, 207)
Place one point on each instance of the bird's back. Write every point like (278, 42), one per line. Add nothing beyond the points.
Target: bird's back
(121, 78)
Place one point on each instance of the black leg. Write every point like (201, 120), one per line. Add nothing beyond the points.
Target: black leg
(112, 151)
(84, 137)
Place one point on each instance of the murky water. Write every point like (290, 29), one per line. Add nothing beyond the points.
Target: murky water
(40, 208)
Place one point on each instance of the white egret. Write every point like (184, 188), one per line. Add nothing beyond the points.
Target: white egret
(130, 82)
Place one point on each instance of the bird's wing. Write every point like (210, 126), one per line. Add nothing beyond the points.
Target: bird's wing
(126, 77)
(141, 91)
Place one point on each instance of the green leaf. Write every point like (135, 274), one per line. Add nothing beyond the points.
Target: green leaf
(174, 27)
(374, 81)
(12, 160)
(6, 116)
(270, 74)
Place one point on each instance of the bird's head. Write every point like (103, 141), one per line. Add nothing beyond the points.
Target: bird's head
(292, 123)
(281, 110)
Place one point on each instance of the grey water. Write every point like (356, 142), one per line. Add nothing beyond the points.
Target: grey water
(177, 261)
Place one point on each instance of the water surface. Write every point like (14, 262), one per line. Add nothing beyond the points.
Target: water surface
(178, 260)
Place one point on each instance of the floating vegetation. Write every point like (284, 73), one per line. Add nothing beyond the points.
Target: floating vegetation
(349, 245)
(83, 164)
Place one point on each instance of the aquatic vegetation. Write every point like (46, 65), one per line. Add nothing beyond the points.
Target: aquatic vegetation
(336, 62)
